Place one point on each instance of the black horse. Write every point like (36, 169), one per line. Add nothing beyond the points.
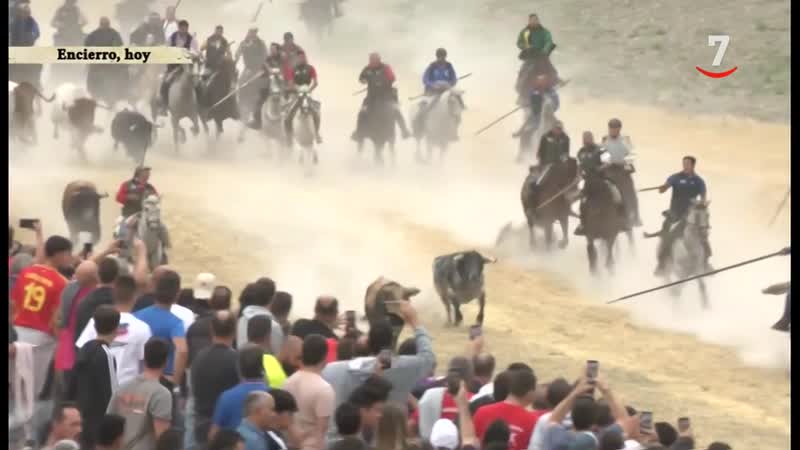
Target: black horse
(379, 127)
(213, 90)
(602, 218)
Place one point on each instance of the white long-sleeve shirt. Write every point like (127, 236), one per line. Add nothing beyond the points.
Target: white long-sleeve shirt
(618, 148)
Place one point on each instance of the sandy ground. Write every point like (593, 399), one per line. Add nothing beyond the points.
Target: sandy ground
(240, 215)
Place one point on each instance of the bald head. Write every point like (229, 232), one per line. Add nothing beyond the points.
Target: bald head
(156, 274)
(104, 22)
(484, 364)
(327, 310)
(86, 273)
(256, 401)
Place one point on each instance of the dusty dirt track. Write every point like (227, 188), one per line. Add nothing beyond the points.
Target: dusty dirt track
(241, 216)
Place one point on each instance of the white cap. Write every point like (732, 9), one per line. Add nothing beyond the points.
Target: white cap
(444, 434)
(204, 286)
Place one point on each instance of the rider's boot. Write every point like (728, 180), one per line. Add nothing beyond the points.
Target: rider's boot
(163, 106)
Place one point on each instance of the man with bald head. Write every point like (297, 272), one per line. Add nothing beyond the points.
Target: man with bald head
(84, 281)
(290, 354)
(326, 319)
(259, 418)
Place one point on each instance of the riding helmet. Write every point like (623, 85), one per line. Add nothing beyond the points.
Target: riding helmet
(441, 53)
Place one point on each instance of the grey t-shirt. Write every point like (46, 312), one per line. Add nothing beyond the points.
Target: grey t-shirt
(140, 401)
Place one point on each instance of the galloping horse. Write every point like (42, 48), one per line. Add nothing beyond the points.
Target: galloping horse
(303, 126)
(248, 90)
(379, 127)
(148, 227)
(214, 90)
(602, 219)
(544, 200)
(183, 103)
(273, 111)
(685, 255)
(441, 123)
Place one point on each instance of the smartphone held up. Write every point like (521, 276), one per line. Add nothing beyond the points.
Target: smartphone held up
(592, 370)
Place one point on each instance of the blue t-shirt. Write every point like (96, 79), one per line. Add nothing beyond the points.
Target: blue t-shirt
(228, 411)
(684, 188)
(164, 325)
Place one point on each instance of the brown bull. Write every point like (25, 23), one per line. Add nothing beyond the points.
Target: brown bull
(81, 115)
(80, 205)
(381, 304)
(23, 125)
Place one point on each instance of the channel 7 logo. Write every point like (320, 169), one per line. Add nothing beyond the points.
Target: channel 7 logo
(723, 40)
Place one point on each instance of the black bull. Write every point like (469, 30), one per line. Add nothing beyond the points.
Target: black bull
(134, 131)
(458, 279)
(80, 205)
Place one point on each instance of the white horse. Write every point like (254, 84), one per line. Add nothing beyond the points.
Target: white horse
(273, 111)
(688, 256)
(148, 227)
(440, 124)
(303, 127)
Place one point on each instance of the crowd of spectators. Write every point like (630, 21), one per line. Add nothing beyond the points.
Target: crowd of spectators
(105, 359)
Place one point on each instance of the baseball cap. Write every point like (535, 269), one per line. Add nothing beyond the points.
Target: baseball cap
(204, 286)
(444, 435)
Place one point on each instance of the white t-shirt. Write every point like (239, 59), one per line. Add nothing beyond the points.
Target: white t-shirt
(185, 314)
(128, 346)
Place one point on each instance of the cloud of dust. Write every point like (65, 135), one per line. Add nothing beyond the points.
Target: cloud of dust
(333, 233)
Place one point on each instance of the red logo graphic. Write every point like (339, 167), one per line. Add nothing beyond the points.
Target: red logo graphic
(723, 40)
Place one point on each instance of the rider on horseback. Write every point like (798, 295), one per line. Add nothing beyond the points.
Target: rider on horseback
(149, 33)
(541, 91)
(216, 49)
(535, 44)
(180, 38)
(303, 74)
(290, 49)
(379, 79)
(253, 49)
(619, 149)
(439, 77)
(132, 192)
(68, 22)
(686, 186)
(275, 60)
(593, 160)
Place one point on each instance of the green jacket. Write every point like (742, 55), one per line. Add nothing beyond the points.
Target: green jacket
(539, 40)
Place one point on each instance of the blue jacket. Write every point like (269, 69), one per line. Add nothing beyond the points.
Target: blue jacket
(23, 32)
(254, 439)
(437, 71)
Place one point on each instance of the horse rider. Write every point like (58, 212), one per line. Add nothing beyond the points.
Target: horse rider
(535, 44)
(132, 193)
(275, 60)
(150, 33)
(252, 50)
(216, 49)
(379, 78)
(686, 186)
(180, 38)
(554, 146)
(439, 76)
(68, 22)
(541, 91)
(303, 74)
(170, 23)
(619, 149)
(290, 49)
(24, 29)
(592, 161)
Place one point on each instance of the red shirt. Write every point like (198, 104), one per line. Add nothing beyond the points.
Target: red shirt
(449, 408)
(520, 420)
(37, 296)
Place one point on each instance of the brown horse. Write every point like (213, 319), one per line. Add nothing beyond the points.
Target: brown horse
(602, 219)
(623, 179)
(544, 200)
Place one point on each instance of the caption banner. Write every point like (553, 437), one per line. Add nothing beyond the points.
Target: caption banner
(98, 55)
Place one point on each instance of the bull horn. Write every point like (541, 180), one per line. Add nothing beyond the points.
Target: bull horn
(410, 292)
(102, 105)
(489, 259)
(103, 195)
